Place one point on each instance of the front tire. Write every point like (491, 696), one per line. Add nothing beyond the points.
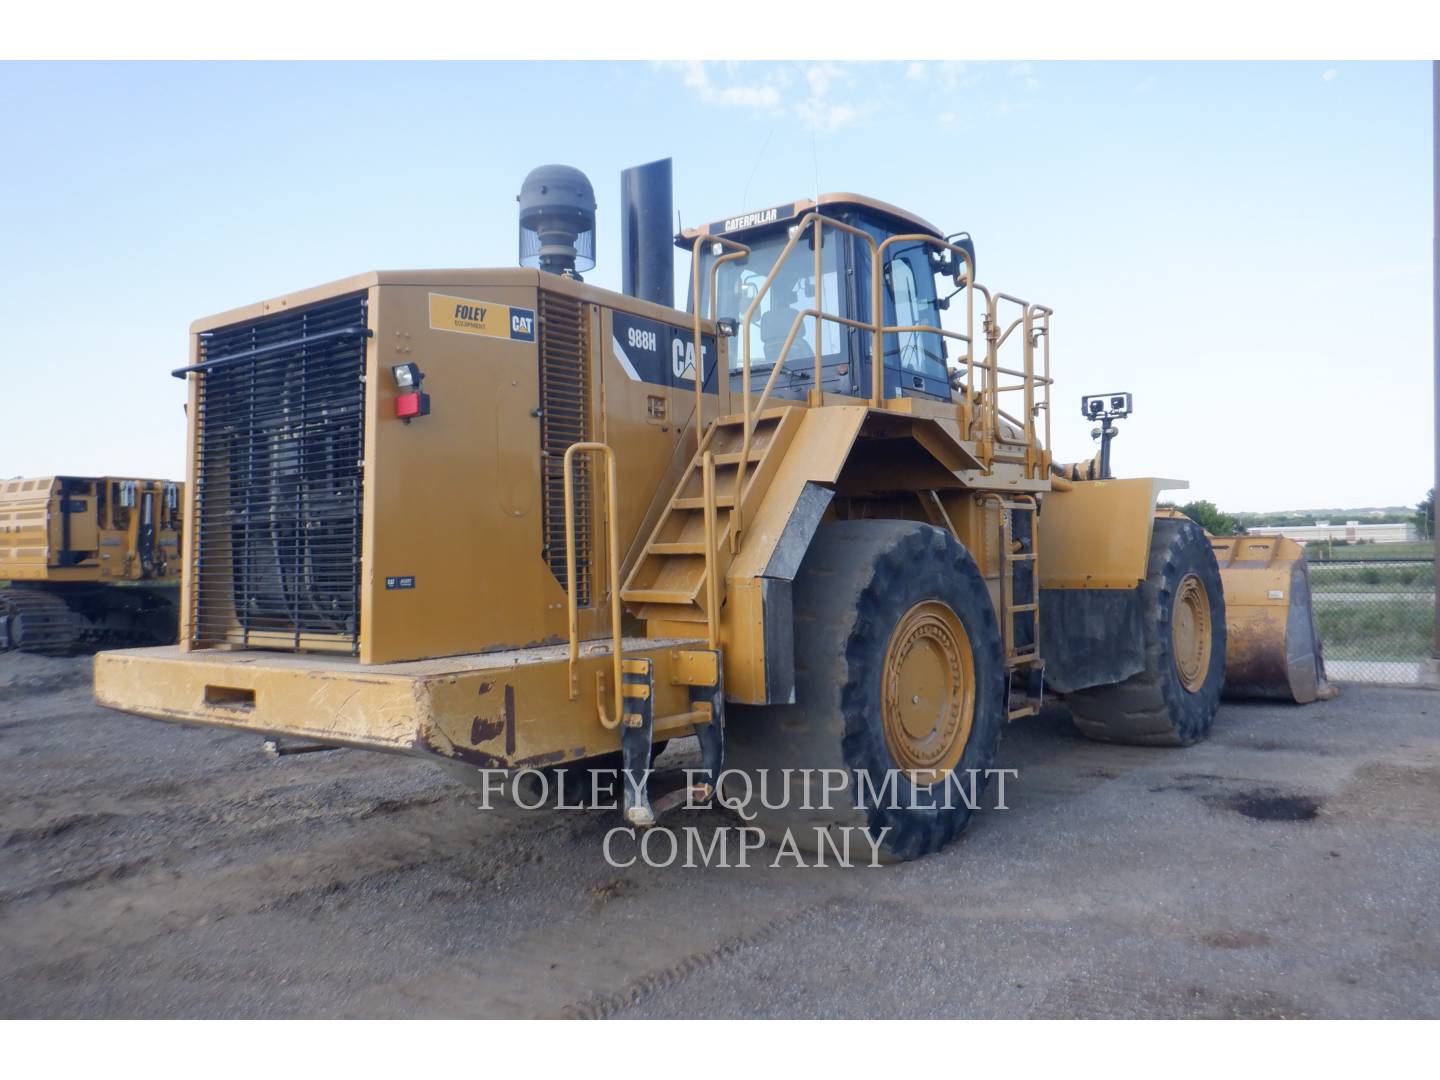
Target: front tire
(1174, 700)
(899, 680)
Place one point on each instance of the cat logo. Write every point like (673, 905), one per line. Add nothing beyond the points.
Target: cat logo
(682, 360)
(467, 315)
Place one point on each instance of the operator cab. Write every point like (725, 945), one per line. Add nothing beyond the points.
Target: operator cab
(915, 362)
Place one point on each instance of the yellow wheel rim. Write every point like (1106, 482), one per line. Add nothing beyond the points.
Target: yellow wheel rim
(928, 692)
(1190, 632)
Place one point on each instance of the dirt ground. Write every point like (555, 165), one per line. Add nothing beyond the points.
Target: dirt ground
(1288, 867)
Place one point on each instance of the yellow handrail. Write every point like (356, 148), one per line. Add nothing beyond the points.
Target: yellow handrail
(1036, 454)
(712, 583)
(572, 602)
(739, 252)
(877, 302)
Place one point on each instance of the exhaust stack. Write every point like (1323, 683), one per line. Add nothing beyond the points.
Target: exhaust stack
(646, 233)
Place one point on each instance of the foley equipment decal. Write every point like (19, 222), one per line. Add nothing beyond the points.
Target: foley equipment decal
(465, 315)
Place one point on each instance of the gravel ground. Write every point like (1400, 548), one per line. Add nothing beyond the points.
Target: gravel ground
(1289, 867)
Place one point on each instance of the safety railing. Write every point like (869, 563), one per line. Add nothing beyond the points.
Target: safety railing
(712, 580)
(572, 606)
(737, 251)
(1034, 321)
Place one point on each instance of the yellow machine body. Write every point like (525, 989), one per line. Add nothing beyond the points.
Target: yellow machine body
(88, 561)
(69, 529)
(501, 516)
(460, 525)
(1273, 648)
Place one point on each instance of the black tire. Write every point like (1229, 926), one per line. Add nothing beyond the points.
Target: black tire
(1154, 708)
(857, 583)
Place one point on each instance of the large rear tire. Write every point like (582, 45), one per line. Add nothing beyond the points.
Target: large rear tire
(899, 679)
(1174, 700)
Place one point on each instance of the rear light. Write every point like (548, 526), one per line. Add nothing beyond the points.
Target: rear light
(412, 404)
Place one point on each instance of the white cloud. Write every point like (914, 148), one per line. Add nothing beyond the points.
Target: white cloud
(827, 96)
(760, 95)
(1026, 73)
(1331, 74)
(955, 74)
(777, 88)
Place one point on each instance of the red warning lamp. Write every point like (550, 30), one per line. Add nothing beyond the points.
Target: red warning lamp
(413, 404)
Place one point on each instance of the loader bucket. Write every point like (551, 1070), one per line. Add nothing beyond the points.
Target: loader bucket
(1272, 646)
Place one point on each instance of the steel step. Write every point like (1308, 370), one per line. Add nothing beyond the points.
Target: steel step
(697, 502)
(659, 596)
(677, 547)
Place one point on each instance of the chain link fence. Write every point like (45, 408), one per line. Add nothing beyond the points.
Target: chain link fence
(1376, 616)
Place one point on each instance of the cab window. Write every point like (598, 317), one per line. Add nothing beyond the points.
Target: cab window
(791, 292)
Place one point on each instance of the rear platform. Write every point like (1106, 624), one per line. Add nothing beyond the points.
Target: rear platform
(493, 710)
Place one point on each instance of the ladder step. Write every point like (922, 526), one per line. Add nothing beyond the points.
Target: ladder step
(1017, 608)
(697, 502)
(1029, 557)
(678, 547)
(734, 459)
(675, 613)
(682, 720)
(773, 414)
(657, 596)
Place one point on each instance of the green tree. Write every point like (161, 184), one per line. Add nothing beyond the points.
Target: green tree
(1425, 515)
(1210, 517)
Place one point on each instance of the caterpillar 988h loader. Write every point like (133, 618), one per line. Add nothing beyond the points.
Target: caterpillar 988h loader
(507, 519)
(88, 560)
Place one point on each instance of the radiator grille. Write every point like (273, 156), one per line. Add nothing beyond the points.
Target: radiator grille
(564, 420)
(281, 413)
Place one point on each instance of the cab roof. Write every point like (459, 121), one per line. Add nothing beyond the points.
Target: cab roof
(792, 211)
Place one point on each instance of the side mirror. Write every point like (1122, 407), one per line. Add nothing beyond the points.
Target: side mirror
(957, 266)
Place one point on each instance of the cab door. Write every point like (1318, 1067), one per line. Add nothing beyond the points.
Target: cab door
(914, 360)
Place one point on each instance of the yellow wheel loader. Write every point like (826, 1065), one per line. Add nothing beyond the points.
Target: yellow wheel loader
(88, 561)
(507, 520)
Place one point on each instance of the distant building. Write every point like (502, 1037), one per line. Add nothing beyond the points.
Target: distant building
(1351, 532)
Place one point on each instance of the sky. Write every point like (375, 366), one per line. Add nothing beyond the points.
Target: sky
(1244, 247)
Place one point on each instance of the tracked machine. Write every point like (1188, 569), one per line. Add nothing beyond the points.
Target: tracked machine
(88, 561)
(506, 519)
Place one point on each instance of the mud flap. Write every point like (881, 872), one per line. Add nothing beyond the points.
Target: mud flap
(1273, 646)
